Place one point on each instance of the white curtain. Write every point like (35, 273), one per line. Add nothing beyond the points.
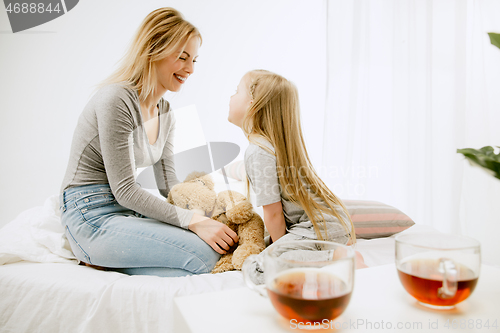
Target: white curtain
(409, 82)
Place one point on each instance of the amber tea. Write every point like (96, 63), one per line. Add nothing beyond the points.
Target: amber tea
(309, 295)
(306, 280)
(422, 279)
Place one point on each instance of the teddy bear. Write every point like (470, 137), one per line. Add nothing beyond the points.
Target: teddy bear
(229, 207)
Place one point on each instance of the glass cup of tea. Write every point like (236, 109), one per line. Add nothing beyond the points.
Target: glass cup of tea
(439, 270)
(307, 281)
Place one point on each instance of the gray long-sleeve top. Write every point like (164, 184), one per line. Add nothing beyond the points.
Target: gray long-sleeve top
(110, 142)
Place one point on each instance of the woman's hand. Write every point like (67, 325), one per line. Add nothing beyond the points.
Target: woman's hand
(218, 235)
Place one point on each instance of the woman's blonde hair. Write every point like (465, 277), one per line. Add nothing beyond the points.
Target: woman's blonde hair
(161, 33)
(275, 116)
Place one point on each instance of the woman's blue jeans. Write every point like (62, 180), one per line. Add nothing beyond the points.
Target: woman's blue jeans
(103, 233)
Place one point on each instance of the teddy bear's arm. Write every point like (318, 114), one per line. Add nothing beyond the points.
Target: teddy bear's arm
(251, 240)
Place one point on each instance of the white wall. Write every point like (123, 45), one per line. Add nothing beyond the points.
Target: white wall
(48, 73)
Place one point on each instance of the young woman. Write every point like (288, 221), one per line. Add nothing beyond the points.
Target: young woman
(297, 204)
(110, 220)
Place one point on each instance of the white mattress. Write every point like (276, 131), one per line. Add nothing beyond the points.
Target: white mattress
(43, 289)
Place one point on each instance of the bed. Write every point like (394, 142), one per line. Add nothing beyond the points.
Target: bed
(43, 289)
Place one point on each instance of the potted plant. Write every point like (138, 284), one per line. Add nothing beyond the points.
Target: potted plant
(485, 157)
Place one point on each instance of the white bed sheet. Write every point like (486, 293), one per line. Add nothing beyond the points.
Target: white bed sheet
(44, 290)
(57, 297)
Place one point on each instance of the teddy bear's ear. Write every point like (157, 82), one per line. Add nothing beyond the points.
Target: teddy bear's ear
(194, 175)
(207, 179)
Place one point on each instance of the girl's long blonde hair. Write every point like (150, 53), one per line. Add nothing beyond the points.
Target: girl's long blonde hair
(160, 34)
(275, 116)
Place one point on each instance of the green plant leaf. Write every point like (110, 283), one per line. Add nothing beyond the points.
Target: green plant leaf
(484, 157)
(494, 39)
(487, 150)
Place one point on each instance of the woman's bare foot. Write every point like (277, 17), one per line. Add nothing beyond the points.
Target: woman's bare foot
(93, 266)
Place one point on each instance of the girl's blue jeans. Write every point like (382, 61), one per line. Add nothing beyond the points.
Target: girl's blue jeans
(103, 233)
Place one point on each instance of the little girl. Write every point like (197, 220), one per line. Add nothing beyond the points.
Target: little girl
(297, 204)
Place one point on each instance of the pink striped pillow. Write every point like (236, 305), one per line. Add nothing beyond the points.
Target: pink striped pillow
(374, 219)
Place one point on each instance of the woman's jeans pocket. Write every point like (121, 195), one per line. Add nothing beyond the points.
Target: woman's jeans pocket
(93, 205)
(89, 204)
